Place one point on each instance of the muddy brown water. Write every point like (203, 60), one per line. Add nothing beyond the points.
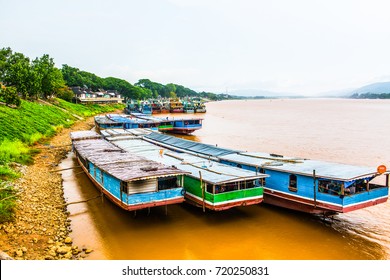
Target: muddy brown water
(339, 130)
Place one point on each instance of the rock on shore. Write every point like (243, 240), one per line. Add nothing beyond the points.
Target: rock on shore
(41, 226)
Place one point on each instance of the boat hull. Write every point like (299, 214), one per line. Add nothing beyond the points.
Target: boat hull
(198, 201)
(176, 110)
(130, 207)
(306, 205)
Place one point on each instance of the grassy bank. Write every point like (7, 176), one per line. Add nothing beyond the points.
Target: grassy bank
(21, 128)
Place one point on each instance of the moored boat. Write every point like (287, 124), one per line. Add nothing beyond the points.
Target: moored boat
(130, 181)
(173, 125)
(131, 107)
(208, 184)
(188, 107)
(156, 106)
(175, 105)
(199, 106)
(300, 184)
(145, 108)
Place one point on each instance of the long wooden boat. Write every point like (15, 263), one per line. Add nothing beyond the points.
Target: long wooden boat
(130, 181)
(173, 125)
(199, 105)
(145, 108)
(188, 106)
(300, 184)
(208, 184)
(131, 107)
(156, 106)
(175, 105)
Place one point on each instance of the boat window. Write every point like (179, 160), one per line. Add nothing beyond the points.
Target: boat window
(293, 186)
(226, 187)
(330, 187)
(167, 183)
(124, 187)
(209, 188)
(247, 185)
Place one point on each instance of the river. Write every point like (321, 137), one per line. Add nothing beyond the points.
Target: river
(339, 130)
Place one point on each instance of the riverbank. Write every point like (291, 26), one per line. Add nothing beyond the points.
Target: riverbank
(41, 225)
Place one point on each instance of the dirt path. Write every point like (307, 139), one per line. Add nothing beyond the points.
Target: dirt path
(41, 227)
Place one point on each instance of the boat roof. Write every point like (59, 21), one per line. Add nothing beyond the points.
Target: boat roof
(124, 133)
(323, 169)
(211, 171)
(83, 135)
(121, 164)
(153, 118)
(187, 145)
(104, 120)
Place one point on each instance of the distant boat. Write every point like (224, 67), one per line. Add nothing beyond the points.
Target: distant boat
(139, 120)
(174, 125)
(175, 106)
(131, 107)
(130, 181)
(165, 108)
(207, 184)
(156, 106)
(145, 108)
(188, 107)
(199, 106)
(305, 185)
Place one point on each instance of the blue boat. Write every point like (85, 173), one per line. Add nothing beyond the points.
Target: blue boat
(131, 107)
(145, 108)
(113, 121)
(305, 185)
(132, 182)
(173, 125)
(208, 184)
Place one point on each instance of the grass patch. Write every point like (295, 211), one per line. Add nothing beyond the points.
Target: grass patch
(8, 199)
(14, 151)
(33, 122)
(7, 173)
(88, 110)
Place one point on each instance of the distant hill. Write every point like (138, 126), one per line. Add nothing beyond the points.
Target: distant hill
(372, 91)
(258, 93)
(374, 88)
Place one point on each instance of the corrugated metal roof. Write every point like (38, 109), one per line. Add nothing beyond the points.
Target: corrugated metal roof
(82, 135)
(331, 170)
(104, 120)
(195, 147)
(305, 167)
(120, 164)
(212, 172)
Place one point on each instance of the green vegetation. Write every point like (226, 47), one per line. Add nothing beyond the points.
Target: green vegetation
(143, 89)
(89, 109)
(8, 199)
(371, 96)
(33, 79)
(22, 127)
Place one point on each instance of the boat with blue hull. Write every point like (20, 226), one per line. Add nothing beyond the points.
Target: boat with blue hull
(130, 181)
(145, 108)
(300, 184)
(139, 120)
(208, 184)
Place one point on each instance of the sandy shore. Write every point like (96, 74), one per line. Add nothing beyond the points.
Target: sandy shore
(41, 226)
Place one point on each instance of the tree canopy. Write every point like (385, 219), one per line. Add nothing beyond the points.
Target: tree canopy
(39, 78)
(30, 79)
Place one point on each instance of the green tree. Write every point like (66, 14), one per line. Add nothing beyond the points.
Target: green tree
(5, 53)
(48, 78)
(18, 73)
(10, 96)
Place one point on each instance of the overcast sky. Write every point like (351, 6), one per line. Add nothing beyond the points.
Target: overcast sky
(300, 46)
